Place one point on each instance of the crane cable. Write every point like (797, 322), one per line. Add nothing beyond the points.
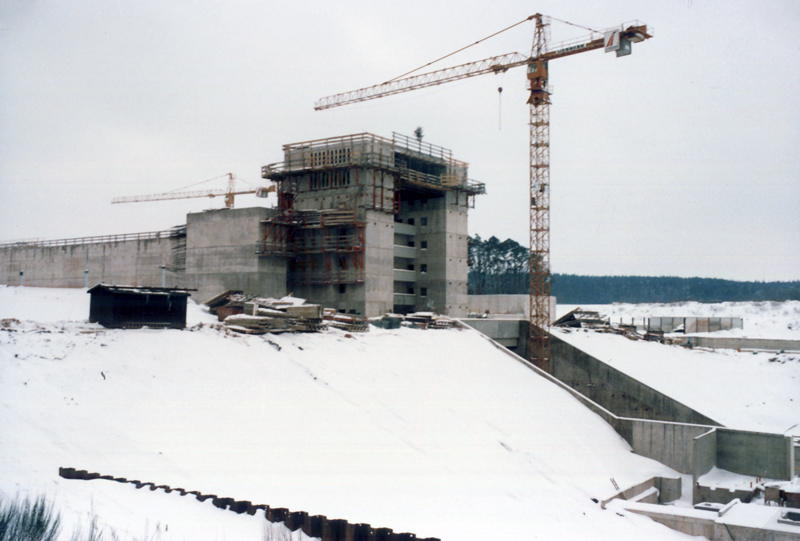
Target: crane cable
(578, 25)
(237, 177)
(462, 49)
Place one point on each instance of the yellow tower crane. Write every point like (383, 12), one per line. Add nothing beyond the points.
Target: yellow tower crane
(616, 40)
(228, 193)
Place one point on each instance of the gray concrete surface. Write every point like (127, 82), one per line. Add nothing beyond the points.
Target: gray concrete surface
(220, 254)
(615, 390)
(123, 260)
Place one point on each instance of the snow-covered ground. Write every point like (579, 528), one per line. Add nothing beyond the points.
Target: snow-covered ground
(767, 319)
(432, 432)
(745, 390)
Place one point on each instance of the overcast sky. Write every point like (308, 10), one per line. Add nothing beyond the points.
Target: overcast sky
(682, 159)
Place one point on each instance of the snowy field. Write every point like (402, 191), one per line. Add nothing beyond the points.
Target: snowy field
(746, 390)
(431, 432)
(767, 319)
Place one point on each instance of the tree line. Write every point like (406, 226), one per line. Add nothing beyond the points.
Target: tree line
(501, 267)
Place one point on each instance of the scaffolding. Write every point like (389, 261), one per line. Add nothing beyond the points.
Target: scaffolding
(323, 247)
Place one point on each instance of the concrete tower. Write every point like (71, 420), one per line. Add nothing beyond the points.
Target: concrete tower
(371, 225)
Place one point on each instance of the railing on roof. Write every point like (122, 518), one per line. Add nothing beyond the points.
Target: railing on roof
(422, 148)
(304, 163)
(153, 235)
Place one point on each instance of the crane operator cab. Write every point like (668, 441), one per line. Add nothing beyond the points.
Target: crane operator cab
(537, 77)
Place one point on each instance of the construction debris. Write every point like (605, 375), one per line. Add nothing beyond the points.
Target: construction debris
(250, 314)
(349, 323)
(584, 319)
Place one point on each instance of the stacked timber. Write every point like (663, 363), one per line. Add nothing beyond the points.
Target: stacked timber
(249, 314)
(349, 323)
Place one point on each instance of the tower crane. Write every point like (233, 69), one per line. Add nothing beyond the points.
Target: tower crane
(617, 40)
(229, 193)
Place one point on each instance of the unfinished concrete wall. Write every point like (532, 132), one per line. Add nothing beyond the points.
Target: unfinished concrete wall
(704, 454)
(220, 254)
(130, 261)
(615, 390)
(378, 264)
(507, 332)
(441, 224)
(767, 455)
(668, 443)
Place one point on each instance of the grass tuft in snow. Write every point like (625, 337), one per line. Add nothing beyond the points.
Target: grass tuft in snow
(31, 521)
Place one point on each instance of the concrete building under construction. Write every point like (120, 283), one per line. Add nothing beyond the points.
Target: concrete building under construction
(364, 224)
(372, 225)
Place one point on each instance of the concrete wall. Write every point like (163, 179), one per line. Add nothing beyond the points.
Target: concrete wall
(506, 332)
(667, 442)
(768, 455)
(688, 521)
(441, 224)
(741, 343)
(615, 390)
(124, 262)
(501, 304)
(378, 264)
(704, 454)
(673, 443)
(668, 489)
(220, 254)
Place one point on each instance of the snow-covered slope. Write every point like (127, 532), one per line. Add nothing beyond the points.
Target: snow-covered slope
(433, 432)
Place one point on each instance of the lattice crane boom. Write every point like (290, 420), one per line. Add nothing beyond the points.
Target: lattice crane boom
(618, 39)
(228, 193)
(634, 31)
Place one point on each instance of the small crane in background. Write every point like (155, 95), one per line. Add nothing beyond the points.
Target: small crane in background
(228, 193)
(616, 40)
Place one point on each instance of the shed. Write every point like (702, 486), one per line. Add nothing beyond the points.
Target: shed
(130, 307)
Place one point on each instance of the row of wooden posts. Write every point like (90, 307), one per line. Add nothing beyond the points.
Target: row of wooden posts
(317, 526)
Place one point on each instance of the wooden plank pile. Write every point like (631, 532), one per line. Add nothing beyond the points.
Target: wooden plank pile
(429, 320)
(261, 315)
(349, 323)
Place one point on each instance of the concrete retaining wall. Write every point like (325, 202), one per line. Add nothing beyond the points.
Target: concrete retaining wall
(704, 453)
(668, 490)
(507, 332)
(668, 443)
(216, 252)
(673, 443)
(125, 262)
(615, 390)
(768, 455)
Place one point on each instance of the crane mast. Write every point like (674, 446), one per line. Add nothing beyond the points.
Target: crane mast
(539, 254)
(617, 40)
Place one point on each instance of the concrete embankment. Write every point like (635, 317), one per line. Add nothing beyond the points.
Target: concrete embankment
(659, 427)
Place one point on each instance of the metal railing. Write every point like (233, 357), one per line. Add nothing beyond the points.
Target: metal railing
(76, 241)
